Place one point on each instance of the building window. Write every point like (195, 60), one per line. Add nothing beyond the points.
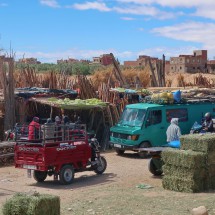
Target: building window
(193, 60)
(171, 67)
(180, 113)
(194, 68)
(188, 60)
(180, 68)
(198, 60)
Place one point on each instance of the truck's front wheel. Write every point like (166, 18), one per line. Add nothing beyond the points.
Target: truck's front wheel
(120, 151)
(101, 166)
(66, 174)
(144, 145)
(39, 176)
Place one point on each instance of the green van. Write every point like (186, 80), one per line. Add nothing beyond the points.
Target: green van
(145, 124)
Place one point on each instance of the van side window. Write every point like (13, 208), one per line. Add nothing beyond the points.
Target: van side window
(155, 117)
(180, 113)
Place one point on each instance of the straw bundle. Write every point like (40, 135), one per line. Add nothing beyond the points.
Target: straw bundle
(183, 184)
(36, 204)
(183, 172)
(198, 142)
(181, 158)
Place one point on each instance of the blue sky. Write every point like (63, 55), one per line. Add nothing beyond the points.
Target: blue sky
(58, 29)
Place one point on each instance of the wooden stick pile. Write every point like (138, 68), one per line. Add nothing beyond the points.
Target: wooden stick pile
(7, 82)
(84, 87)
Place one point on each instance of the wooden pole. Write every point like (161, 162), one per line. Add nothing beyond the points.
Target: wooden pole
(163, 71)
(7, 81)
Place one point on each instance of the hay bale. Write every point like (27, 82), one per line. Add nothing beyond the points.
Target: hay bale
(36, 204)
(182, 158)
(184, 184)
(211, 182)
(17, 205)
(211, 158)
(211, 169)
(198, 142)
(183, 172)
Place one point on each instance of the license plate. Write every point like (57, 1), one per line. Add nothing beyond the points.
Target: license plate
(117, 145)
(29, 166)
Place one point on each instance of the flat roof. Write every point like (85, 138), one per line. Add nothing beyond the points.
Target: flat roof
(143, 105)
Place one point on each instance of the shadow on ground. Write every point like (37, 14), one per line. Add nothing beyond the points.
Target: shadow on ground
(79, 181)
(133, 155)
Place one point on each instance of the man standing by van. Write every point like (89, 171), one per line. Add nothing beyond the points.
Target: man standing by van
(173, 131)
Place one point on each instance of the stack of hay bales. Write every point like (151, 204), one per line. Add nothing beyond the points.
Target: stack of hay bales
(191, 169)
(33, 204)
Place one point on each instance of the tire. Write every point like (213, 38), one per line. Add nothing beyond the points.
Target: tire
(144, 145)
(39, 176)
(101, 166)
(66, 174)
(153, 169)
(120, 151)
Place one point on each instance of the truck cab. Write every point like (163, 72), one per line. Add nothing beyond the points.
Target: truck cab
(144, 124)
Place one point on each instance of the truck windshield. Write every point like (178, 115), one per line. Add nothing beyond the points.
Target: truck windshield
(132, 117)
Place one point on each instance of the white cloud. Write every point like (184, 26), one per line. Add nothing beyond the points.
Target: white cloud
(144, 10)
(127, 18)
(50, 3)
(190, 31)
(141, 29)
(172, 3)
(124, 9)
(168, 52)
(207, 12)
(198, 32)
(202, 8)
(92, 5)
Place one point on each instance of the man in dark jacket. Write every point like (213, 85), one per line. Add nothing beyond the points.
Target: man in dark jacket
(208, 123)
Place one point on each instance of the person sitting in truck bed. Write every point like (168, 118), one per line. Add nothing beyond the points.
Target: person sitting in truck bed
(65, 123)
(58, 129)
(34, 129)
(48, 130)
(173, 131)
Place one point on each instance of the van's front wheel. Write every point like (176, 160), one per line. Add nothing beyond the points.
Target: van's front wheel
(144, 145)
(120, 151)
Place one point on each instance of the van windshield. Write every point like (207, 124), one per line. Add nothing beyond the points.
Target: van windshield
(132, 117)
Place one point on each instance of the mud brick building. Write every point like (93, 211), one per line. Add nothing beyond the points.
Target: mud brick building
(190, 63)
(104, 60)
(211, 66)
(141, 61)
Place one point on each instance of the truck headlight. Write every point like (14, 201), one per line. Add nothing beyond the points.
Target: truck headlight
(132, 137)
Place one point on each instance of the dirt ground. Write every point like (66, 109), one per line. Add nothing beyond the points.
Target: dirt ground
(113, 193)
